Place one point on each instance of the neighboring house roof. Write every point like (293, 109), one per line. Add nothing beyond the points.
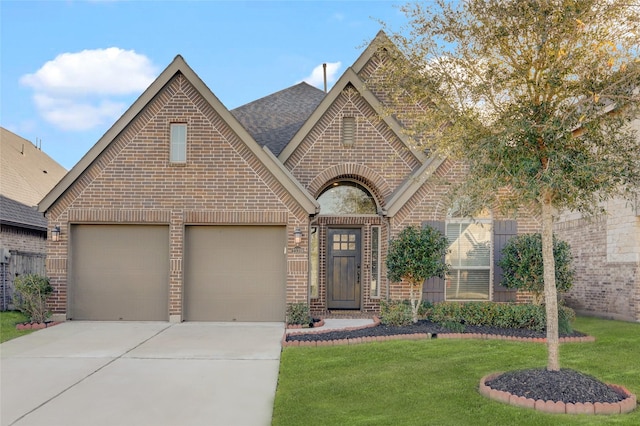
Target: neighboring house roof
(18, 214)
(178, 65)
(26, 173)
(274, 119)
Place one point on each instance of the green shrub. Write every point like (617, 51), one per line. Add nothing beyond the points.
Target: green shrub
(504, 315)
(30, 297)
(523, 267)
(447, 312)
(395, 313)
(298, 314)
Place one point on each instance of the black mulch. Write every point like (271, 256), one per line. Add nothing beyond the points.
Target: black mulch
(564, 385)
(420, 327)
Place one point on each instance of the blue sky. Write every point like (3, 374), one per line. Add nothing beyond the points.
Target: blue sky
(69, 69)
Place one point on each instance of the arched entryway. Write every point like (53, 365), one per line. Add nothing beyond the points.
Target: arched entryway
(346, 248)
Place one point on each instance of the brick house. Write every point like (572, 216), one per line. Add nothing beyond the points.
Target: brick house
(26, 175)
(606, 252)
(185, 210)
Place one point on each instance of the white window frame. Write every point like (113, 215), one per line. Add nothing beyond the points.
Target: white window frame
(484, 221)
(314, 259)
(178, 144)
(375, 278)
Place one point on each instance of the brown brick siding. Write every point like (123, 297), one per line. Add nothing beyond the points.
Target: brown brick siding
(132, 181)
(610, 289)
(380, 156)
(22, 239)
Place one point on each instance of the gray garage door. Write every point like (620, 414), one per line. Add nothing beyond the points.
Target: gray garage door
(119, 272)
(235, 273)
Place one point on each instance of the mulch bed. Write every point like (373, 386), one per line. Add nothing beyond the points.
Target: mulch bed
(565, 385)
(421, 327)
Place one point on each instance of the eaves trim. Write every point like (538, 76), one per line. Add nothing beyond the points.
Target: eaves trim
(411, 185)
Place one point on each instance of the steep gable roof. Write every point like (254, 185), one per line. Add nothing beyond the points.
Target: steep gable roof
(274, 119)
(27, 174)
(381, 40)
(178, 65)
(348, 78)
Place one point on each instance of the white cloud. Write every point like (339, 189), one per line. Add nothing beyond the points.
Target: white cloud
(78, 91)
(317, 75)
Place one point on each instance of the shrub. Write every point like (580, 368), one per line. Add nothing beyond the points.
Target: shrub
(523, 267)
(415, 255)
(30, 297)
(298, 314)
(395, 312)
(503, 315)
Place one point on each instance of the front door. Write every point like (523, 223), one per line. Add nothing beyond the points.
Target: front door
(343, 268)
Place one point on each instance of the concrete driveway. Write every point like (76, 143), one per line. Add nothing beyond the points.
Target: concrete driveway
(141, 373)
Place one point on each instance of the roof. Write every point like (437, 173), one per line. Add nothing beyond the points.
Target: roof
(15, 213)
(179, 66)
(27, 174)
(274, 119)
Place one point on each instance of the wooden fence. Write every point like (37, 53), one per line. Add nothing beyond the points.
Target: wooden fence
(19, 263)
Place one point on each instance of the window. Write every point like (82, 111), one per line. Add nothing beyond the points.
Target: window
(470, 259)
(348, 131)
(178, 145)
(313, 263)
(375, 261)
(343, 198)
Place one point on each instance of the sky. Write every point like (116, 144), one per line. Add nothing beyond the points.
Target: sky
(70, 68)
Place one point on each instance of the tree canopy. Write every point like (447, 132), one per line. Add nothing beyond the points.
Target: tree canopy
(415, 255)
(535, 96)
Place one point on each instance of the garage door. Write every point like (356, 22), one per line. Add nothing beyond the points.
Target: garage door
(235, 273)
(119, 272)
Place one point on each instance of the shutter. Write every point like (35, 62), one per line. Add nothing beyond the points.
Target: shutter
(503, 230)
(433, 289)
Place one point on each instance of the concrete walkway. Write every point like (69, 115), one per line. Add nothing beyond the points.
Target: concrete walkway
(137, 373)
(331, 324)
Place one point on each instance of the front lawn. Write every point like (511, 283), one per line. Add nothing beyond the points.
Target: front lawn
(435, 382)
(8, 322)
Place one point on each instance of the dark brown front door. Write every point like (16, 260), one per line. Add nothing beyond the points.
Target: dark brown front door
(343, 268)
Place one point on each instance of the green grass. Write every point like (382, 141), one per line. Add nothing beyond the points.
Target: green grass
(435, 382)
(8, 321)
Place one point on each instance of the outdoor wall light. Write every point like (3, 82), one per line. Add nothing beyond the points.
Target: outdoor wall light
(297, 236)
(55, 234)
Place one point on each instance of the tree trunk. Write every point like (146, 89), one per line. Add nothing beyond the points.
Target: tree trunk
(550, 293)
(416, 299)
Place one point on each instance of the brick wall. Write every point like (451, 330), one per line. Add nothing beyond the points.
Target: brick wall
(607, 280)
(22, 239)
(132, 181)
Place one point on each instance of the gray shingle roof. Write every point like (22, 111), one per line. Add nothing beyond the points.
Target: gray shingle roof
(275, 119)
(15, 213)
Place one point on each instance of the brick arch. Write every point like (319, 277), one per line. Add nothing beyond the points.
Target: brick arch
(357, 172)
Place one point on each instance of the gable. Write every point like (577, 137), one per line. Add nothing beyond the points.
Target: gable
(136, 149)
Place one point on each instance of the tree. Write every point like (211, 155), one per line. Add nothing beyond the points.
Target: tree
(535, 96)
(523, 267)
(415, 255)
